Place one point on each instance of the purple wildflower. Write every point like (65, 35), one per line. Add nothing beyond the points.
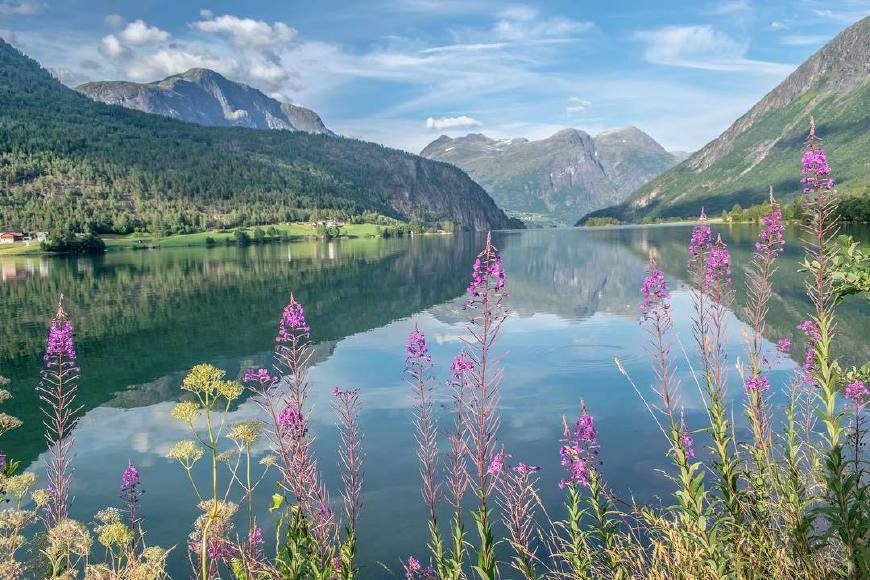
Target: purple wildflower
(772, 241)
(857, 392)
(293, 326)
(461, 364)
(524, 469)
(579, 450)
(687, 442)
(815, 170)
(412, 567)
(417, 348)
(702, 239)
(260, 375)
(60, 341)
(487, 275)
(718, 269)
(2, 464)
(783, 345)
(130, 494)
(291, 422)
(757, 384)
(811, 329)
(654, 291)
(221, 550)
(497, 464)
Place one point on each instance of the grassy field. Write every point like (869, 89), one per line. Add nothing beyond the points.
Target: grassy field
(295, 231)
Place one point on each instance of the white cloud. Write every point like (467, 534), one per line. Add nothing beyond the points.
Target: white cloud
(804, 39)
(731, 7)
(21, 8)
(247, 32)
(111, 48)
(7, 35)
(170, 61)
(452, 123)
(139, 33)
(577, 105)
(780, 24)
(206, 13)
(523, 24)
(703, 47)
(114, 20)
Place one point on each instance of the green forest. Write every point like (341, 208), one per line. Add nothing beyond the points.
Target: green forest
(68, 164)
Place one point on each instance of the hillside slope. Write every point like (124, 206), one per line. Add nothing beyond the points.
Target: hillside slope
(762, 148)
(561, 177)
(67, 161)
(205, 97)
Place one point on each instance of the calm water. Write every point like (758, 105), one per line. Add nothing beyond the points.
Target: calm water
(144, 318)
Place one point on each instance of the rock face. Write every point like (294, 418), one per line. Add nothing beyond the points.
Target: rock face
(205, 97)
(560, 178)
(763, 147)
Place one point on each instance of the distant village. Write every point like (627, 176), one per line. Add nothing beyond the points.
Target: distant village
(12, 236)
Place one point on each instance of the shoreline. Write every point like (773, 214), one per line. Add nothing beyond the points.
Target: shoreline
(293, 232)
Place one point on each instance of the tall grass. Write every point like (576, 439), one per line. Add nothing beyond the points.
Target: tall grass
(789, 502)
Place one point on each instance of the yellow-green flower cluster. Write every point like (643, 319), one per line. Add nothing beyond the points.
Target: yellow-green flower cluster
(246, 432)
(186, 452)
(207, 381)
(186, 411)
(18, 485)
(69, 537)
(114, 534)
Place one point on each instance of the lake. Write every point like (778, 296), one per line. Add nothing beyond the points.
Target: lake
(143, 318)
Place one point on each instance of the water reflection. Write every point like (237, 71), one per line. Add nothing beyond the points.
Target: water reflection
(144, 318)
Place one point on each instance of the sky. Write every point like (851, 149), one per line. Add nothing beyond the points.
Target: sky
(403, 72)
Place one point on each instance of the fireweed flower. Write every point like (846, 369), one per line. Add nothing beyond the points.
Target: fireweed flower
(811, 330)
(783, 345)
(497, 464)
(57, 390)
(718, 269)
(757, 384)
(130, 493)
(461, 364)
(524, 469)
(772, 229)
(700, 242)
(417, 348)
(857, 392)
(686, 441)
(259, 376)
(293, 326)
(292, 423)
(655, 293)
(579, 450)
(815, 169)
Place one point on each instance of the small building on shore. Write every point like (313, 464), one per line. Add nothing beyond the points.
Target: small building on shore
(10, 236)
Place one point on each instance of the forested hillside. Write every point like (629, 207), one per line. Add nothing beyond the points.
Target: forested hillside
(68, 162)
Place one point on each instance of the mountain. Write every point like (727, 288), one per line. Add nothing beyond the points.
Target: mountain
(205, 97)
(68, 161)
(763, 147)
(559, 178)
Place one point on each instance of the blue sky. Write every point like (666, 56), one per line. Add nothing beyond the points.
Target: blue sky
(402, 72)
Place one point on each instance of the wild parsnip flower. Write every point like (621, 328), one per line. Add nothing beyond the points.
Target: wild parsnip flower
(268, 460)
(4, 394)
(230, 390)
(857, 392)
(69, 537)
(109, 515)
(8, 423)
(246, 432)
(203, 379)
(228, 455)
(186, 451)
(40, 497)
(186, 411)
(18, 485)
(114, 534)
